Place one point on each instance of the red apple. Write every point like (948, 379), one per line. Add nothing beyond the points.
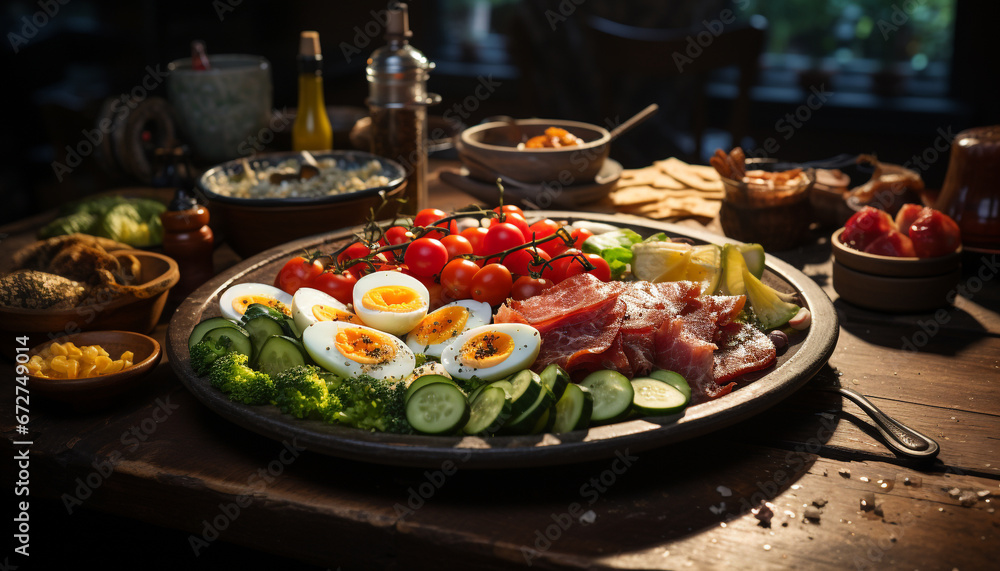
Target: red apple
(866, 226)
(906, 215)
(934, 234)
(894, 243)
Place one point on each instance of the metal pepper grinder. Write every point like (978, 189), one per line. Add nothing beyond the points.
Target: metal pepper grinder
(397, 103)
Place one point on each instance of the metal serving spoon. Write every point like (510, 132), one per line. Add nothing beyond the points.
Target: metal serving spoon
(904, 440)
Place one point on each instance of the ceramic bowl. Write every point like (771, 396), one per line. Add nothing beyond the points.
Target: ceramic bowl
(490, 149)
(252, 225)
(139, 312)
(896, 284)
(91, 392)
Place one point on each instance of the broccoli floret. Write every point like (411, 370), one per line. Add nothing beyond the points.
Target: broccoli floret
(231, 374)
(303, 391)
(372, 404)
(206, 351)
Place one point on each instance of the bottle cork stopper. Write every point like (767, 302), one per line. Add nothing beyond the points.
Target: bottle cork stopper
(309, 44)
(398, 21)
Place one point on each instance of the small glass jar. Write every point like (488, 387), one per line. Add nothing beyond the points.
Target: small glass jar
(971, 191)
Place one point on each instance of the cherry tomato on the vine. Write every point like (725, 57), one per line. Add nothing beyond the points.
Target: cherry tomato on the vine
(556, 245)
(475, 236)
(502, 236)
(509, 209)
(355, 251)
(297, 272)
(519, 262)
(601, 269)
(429, 217)
(395, 235)
(338, 284)
(543, 228)
(425, 256)
(456, 245)
(519, 221)
(527, 286)
(580, 236)
(456, 278)
(560, 263)
(492, 284)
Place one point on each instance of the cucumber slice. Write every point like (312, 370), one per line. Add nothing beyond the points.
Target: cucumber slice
(573, 410)
(613, 395)
(488, 412)
(656, 398)
(207, 325)
(526, 385)
(260, 328)
(238, 336)
(280, 352)
(438, 408)
(422, 381)
(753, 257)
(546, 421)
(675, 380)
(525, 422)
(555, 378)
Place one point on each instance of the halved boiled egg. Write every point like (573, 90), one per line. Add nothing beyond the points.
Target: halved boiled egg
(391, 301)
(234, 301)
(353, 350)
(492, 352)
(311, 305)
(445, 324)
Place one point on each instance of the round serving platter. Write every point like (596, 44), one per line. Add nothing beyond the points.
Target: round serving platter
(803, 359)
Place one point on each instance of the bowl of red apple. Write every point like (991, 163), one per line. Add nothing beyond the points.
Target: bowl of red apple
(910, 263)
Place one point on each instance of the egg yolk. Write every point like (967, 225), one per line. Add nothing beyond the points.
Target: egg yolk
(327, 313)
(396, 299)
(241, 303)
(486, 349)
(441, 325)
(364, 346)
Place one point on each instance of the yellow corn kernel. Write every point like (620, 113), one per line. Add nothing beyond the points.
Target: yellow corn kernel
(58, 349)
(127, 356)
(73, 350)
(72, 368)
(89, 353)
(87, 370)
(101, 364)
(102, 351)
(59, 363)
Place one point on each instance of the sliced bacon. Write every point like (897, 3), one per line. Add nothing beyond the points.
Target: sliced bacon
(693, 358)
(570, 301)
(580, 344)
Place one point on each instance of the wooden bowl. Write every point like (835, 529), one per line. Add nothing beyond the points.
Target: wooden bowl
(777, 219)
(895, 284)
(252, 225)
(92, 392)
(139, 313)
(490, 149)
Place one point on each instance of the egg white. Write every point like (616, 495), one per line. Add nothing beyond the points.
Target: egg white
(479, 313)
(397, 323)
(305, 299)
(319, 340)
(239, 290)
(527, 342)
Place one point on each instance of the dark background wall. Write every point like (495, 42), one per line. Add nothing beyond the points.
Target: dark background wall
(58, 74)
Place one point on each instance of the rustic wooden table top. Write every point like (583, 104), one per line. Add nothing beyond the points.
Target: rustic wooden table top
(161, 457)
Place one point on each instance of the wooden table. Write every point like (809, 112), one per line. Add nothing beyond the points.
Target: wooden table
(188, 488)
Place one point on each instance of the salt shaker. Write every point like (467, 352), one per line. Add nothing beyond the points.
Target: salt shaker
(397, 103)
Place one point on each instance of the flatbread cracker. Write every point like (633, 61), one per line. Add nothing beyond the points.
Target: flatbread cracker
(681, 171)
(706, 172)
(643, 176)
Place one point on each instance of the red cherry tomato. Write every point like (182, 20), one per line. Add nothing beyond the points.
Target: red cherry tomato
(395, 235)
(502, 236)
(475, 236)
(425, 256)
(297, 272)
(519, 221)
(556, 245)
(456, 278)
(543, 228)
(355, 251)
(560, 263)
(492, 284)
(508, 209)
(601, 269)
(527, 286)
(338, 284)
(457, 245)
(518, 262)
(429, 217)
(580, 236)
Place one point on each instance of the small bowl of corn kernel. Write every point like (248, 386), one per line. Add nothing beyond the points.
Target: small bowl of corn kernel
(91, 368)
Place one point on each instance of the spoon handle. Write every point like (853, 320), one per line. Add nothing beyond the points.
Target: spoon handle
(633, 121)
(901, 438)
